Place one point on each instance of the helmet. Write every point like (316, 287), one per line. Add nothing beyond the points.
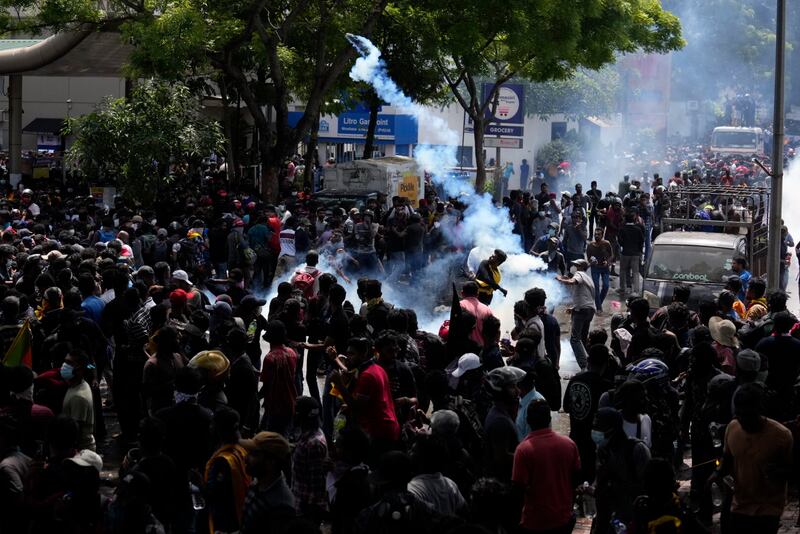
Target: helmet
(28, 192)
(649, 371)
(368, 213)
(502, 377)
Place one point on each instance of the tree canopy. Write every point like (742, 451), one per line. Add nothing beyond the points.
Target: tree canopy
(137, 139)
(538, 40)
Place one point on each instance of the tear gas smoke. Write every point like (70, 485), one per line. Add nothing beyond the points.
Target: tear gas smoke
(484, 225)
(791, 218)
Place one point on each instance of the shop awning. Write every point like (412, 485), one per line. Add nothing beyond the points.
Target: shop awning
(45, 126)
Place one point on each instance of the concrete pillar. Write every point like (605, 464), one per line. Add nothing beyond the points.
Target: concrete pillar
(15, 128)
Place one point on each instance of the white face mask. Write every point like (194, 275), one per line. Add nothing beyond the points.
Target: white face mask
(573, 270)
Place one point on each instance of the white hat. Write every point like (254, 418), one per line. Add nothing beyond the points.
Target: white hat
(723, 331)
(87, 458)
(182, 276)
(467, 362)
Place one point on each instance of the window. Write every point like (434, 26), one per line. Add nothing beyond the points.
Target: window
(557, 130)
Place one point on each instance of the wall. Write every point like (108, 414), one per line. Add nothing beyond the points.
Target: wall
(46, 97)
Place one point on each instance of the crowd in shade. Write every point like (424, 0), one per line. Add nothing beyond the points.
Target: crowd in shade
(240, 362)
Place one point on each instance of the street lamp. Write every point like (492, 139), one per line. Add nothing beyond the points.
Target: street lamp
(774, 258)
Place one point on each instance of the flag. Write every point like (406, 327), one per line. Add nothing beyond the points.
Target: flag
(455, 307)
(20, 352)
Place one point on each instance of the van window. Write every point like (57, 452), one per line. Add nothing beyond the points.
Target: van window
(691, 264)
(723, 139)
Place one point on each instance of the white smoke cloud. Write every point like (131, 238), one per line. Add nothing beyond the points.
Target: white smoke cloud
(484, 225)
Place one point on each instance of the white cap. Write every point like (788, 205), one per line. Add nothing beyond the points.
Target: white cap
(181, 275)
(467, 362)
(87, 458)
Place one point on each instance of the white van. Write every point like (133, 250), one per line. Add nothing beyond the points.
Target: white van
(737, 140)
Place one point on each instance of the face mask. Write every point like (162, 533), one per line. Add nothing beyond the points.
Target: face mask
(67, 371)
(598, 437)
(573, 270)
(541, 215)
(184, 397)
(551, 233)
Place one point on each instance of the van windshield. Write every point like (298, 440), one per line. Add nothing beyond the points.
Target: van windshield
(691, 264)
(733, 140)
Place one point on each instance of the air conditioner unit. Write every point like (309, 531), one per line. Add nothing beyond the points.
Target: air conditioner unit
(692, 105)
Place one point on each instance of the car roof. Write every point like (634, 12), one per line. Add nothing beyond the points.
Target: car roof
(699, 239)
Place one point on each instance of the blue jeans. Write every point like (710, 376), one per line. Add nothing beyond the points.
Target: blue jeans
(598, 274)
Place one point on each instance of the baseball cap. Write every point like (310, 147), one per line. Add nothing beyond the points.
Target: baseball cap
(179, 296)
(181, 275)
(271, 443)
(251, 300)
(87, 458)
(220, 307)
(467, 362)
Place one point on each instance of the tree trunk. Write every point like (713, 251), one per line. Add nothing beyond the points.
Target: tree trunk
(311, 148)
(369, 142)
(271, 162)
(480, 161)
(230, 137)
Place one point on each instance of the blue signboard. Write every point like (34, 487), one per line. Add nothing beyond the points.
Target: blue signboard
(502, 129)
(510, 103)
(354, 123)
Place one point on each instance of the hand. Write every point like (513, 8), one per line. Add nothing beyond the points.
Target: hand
(331, 353)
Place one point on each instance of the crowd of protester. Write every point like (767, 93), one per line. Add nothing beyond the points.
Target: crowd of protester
(236, 414)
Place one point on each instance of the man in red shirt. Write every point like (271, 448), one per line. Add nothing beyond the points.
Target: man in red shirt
(546, 468)
(368, 396)
(274, 243)
(477, 308)
(277, 377)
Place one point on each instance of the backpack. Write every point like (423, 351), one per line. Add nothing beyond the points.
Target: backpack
(303, 281)
(753, 332)
(187, 259)
(160, 251)
(148, 241)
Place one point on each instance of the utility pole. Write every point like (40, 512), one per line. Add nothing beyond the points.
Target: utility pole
(774, 258)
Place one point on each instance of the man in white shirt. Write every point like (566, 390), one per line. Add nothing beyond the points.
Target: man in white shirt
(583, 308)
(78, 403)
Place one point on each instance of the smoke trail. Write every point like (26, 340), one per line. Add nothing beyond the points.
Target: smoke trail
(484, 225)
(791, 218)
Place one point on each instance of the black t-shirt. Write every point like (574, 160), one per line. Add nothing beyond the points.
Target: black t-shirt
(581, 401)
(783, 355)
(500, 433)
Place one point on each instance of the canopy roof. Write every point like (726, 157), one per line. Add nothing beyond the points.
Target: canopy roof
(83, 52)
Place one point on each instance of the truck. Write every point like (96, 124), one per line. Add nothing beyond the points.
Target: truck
(390, 175)
(685, 252)
(737, 140)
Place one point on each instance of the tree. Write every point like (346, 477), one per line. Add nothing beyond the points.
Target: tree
(268, 54)
(137, 139)
(585, 93)
(538, 40)
(272, 53)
